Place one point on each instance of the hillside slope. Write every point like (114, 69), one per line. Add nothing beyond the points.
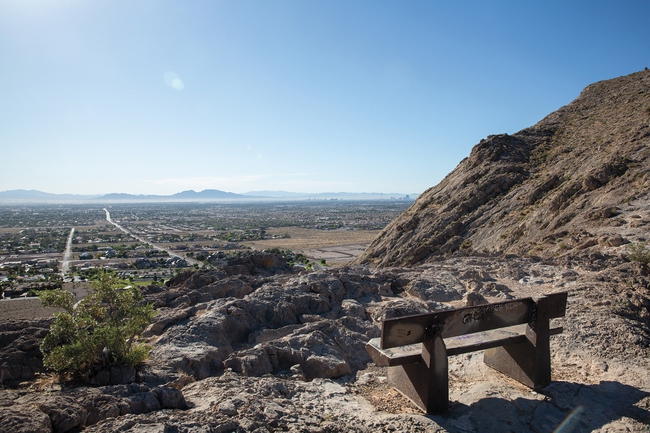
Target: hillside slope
(571, 185)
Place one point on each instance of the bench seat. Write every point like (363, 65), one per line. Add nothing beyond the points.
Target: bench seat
(460, 344)
(513, 334)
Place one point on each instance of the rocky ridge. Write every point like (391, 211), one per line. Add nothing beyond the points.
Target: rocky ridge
(575, 183)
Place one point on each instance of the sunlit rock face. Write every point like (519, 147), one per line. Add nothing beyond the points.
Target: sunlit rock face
(574, 184)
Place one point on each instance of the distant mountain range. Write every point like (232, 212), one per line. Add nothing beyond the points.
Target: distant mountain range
(34, 196)
(190, 195)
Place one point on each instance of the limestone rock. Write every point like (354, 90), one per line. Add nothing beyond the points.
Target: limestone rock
(615, 241)
(170, 397)
(399, 308)
(473, 298)
(582, 168)
(24, 419)
(20, 357)
(272, 314)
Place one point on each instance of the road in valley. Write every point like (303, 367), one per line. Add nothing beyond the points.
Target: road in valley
(65, 263)
(145, 241)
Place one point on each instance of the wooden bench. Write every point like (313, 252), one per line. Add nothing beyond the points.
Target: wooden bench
(515, 333)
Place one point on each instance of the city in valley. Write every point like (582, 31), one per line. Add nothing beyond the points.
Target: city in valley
(63, 245)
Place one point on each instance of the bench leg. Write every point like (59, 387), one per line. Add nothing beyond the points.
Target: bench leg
(425, 383)
(528, 362)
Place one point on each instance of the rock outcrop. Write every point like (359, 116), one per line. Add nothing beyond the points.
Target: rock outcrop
(575, 183)
(269, 329)
(21, 358)
(62, 411)
(290, 355)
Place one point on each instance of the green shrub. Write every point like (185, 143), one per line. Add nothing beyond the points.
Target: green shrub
(638, 252)
(98, 332)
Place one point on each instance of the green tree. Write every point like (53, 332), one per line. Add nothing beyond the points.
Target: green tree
(98, 332)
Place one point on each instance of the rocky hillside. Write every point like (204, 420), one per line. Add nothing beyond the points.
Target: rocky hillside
(571, 185)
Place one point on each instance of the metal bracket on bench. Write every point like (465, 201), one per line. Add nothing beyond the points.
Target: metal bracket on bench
(528, 362)
(515, 335)
(426, 383)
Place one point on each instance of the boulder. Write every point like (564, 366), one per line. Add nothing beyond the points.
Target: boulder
(64, 412)
(170, 398)
(99, 405)
(167, 316)
(615, 241)
(430, 289)
(116, 375)
(20, 355)
(398, 308)
(473, 298)
(261, 264)
(24, 419)
(352, 307)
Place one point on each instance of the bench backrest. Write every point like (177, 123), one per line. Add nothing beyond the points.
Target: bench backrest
(401, 331)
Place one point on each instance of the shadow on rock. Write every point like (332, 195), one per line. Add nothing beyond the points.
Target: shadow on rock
(568, 408)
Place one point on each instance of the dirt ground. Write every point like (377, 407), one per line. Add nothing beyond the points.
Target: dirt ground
(337, 247)
(300, 239)
(31, 308)
(335, 255)
(23, 308)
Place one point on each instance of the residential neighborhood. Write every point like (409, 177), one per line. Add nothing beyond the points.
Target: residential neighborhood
(48, 246)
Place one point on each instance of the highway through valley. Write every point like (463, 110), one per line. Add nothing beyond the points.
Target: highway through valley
(145, 241)
(65, 263)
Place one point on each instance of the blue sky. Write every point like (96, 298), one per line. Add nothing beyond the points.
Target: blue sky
(156, 97)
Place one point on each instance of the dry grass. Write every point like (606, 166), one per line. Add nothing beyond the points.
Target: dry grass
(301, 239)
(10, 230)
(19, 309)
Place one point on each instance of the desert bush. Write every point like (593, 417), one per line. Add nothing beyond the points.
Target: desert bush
(99, 331)
(638, 252)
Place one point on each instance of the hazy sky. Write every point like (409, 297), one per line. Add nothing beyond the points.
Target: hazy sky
(156, 97)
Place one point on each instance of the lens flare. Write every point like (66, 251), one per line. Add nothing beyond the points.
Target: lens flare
(173, 80)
